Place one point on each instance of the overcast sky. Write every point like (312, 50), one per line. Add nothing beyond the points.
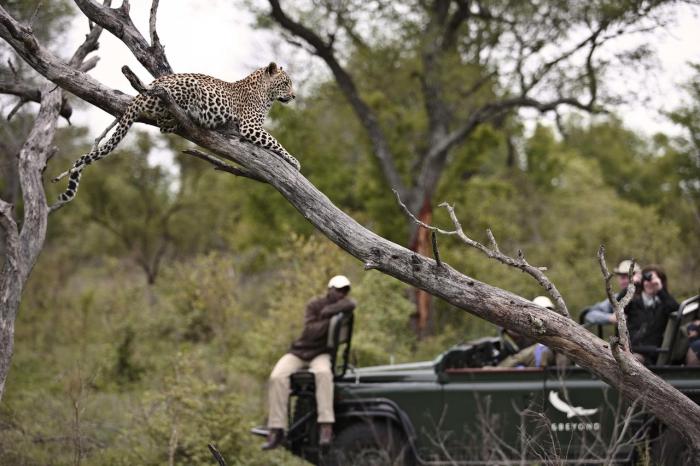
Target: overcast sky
(215, 38)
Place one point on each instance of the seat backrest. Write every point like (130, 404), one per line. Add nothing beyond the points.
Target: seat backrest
(582, 321)
(339, 339)
(675, 342)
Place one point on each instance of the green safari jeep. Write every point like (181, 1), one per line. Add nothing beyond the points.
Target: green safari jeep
(461, 410)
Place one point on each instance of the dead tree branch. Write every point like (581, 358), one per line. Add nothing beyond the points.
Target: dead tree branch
(134, 80)
(156, 46)
(494, 252)
(118, 22)
(27, 93)
(79, 83)
(24, 245)
(618, 306)
(222, 166)
(436, 251)
(620, 346)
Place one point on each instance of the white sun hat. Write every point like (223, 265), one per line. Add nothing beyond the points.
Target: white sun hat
(544, 302)
(339, 281)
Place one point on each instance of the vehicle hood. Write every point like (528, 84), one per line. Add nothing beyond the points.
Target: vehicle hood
(414, 371)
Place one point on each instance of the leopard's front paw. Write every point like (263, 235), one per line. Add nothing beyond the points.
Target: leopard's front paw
(293, 162)
(167, 125)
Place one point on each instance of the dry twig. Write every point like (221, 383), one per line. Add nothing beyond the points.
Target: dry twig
(618, 306)
(494, 252)
(223, 166)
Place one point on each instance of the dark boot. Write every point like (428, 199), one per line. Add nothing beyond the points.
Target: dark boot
(274, 439)
(325, 434)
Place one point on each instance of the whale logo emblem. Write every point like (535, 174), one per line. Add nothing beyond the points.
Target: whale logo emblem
(570, 411)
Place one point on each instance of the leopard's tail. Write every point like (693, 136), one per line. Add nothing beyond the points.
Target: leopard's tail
(100, 152)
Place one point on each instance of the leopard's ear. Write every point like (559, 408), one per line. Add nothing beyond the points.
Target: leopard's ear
(271, 68)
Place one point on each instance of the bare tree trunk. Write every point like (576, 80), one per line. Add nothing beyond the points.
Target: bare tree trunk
(23, 247)
(421, 244)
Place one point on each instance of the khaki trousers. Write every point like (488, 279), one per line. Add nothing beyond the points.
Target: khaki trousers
(278, 389)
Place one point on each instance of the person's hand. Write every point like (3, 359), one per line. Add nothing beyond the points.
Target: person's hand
(653, 286)
(612, 318)
(637, 278)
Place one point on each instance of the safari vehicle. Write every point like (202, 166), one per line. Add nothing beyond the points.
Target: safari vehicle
(455, 410)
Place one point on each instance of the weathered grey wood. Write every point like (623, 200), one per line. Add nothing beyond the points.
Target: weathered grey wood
(493, 304)
(118, 22)
(50, 66)
(29, 93)
(23, 247)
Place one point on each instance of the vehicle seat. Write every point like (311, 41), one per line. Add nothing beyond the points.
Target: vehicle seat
(338, 343)
(582, 321)
(675, 343)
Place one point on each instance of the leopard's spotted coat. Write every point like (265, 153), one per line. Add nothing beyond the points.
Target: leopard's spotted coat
(210, 103)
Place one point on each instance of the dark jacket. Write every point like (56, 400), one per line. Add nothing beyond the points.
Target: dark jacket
(314, 337)
(646, 324)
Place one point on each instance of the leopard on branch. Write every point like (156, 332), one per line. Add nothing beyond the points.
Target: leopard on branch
(211, 103)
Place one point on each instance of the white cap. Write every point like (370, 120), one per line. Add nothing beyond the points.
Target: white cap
(339, 281)
(624, 267)
(544, 302)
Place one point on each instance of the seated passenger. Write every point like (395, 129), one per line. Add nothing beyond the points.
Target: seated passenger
(512, 342)
(692, 358)
(602, 313)
(309, 350)
(537, 355)
(648, 312)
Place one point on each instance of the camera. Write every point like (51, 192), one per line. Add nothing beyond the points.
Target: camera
(647, 276)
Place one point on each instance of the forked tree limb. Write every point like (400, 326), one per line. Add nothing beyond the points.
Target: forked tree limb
(28, 93)
(618, 306)
(134, 80)
(23, 245)
(494, 252)
(79, 83)
(222, 166)
(118, 22)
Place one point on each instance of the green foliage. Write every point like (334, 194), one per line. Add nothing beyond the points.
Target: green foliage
(382, 331)
(168, 368)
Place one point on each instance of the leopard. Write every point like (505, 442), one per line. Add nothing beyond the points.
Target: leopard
(210, 103)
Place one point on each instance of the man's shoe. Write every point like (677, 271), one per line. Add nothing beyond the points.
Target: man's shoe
(274, 439)
(325, 434)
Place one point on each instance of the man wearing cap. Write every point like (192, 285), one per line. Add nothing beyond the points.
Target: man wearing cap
(602, 313)
(309, 350)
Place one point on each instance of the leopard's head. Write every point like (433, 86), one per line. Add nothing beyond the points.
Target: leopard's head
(279, 85)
